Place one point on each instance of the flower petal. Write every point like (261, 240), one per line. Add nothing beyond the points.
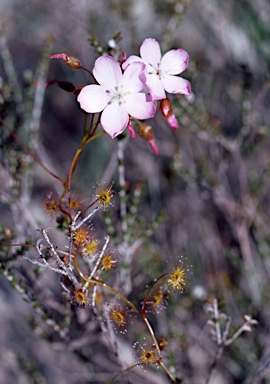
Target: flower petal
(130, 60)
(93, 98)
(155, 87)
(138, 106)
(134, 77)
(150, 51)
(174, 61)
(175, 84)
(114, 119)
(107, 71)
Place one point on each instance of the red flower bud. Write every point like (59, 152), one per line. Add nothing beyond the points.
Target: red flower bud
(165, 107)
(167, 111)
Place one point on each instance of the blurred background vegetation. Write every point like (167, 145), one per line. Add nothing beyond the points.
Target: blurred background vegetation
(211, 181)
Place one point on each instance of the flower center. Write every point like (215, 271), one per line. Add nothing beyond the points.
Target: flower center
(156, 70)
(118, 95)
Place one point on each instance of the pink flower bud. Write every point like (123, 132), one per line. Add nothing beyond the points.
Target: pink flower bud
(131, 130)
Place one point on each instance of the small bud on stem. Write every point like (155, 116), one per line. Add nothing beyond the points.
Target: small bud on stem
(73, 62)
(167, 111)
(146, 133)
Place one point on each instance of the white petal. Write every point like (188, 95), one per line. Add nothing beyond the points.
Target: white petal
(93, 98)
(138, 106)
(150, 51)
(107, 71)
(134, 77)
(114, 119)
(130, 60)
(155, 87)
(174, 61)
(175, 84)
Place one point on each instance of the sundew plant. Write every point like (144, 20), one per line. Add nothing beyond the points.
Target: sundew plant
(126, 93)
(100, 287)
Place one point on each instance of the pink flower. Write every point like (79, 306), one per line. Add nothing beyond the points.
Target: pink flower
(161, 71)
(118, 95)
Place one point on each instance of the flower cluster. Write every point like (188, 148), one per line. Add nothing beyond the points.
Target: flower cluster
(131, 88)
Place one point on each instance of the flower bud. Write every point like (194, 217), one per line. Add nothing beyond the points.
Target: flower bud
(165, 107)
(65, 85)
(73, 62)
(131, 130)
(167, 111)
(146, 133)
